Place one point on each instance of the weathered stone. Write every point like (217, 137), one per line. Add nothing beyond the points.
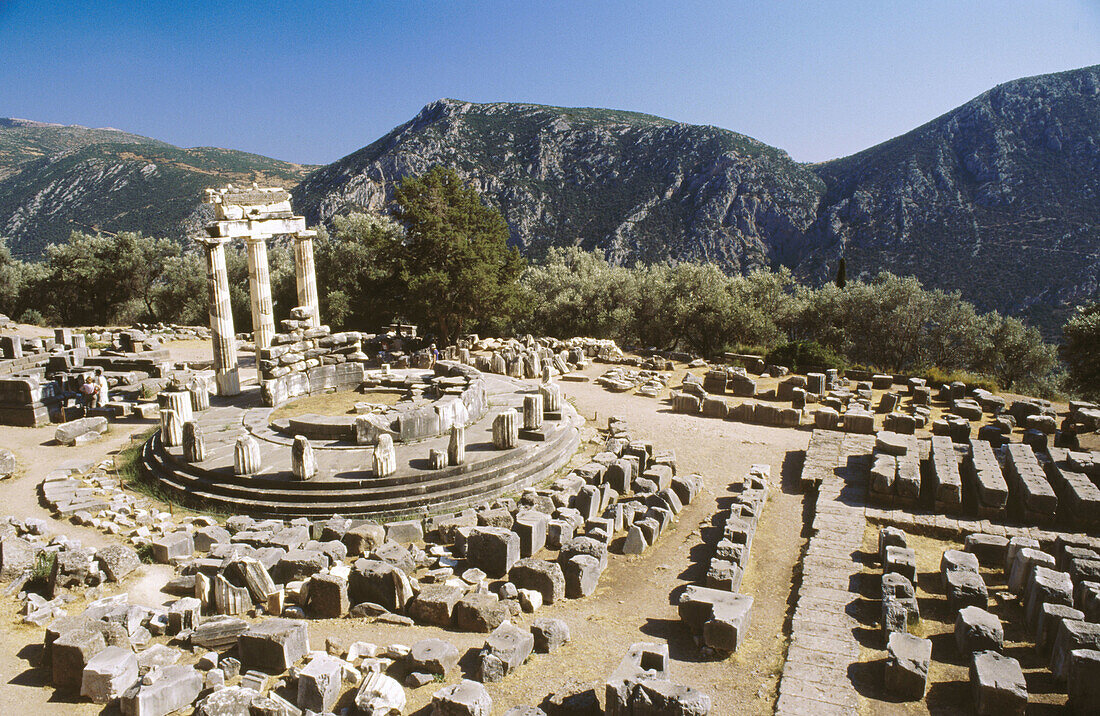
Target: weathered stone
(319, 683)
(328, 596)
(998, 685)
(505, 651)
(117, 561)
(506, 429)
(194, 443)
(977, 630)
(720, 617)
(385, 457)
(547, 578)
(493, 549)
(661, 696)
(175, 687)
(907, 661)
(71, 652)
(274, 645)
(246, 456)
(480, 612)
(379, 583)
(230, 701)
(171, 545)
(549, 634)
(642, 661)
(433, 656)
(303, 464)
(1083, 681)
(965, 589)
(380, 695)
(109, 674)
(467, 698)
(361, 539)
(435, 604)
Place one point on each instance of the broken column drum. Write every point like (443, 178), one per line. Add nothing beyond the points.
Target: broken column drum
(171, 429)
(246, 456)
(226, 373)
(194, 444)
(456, 449)
(506, 430)
(303, 464)
(385, 457)
(532, 412)
(180, 402)
(551, 397)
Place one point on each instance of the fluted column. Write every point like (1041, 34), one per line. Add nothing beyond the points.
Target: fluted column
(259, 284)
(305, 275)
(222, 335)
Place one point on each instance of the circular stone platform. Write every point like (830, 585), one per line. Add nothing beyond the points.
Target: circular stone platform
(345, 484)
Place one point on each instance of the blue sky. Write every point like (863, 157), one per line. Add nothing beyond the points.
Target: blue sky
(313, 81)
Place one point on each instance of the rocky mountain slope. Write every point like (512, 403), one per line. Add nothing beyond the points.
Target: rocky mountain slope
(999, 198)
(56, 179)
(639, 187)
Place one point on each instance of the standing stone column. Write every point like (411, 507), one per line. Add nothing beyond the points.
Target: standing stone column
(306, 275)
(226, 375)
(259, 284)
(179, 401)
(456, 449)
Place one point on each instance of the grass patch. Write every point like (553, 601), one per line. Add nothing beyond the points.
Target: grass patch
(936, 375)
(338, 403)
(128, 469)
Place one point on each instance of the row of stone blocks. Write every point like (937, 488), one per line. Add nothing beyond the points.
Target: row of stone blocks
(1047, 597)
(718, 614)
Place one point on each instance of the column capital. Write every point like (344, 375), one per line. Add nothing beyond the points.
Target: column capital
(303, 235)
(211, 242)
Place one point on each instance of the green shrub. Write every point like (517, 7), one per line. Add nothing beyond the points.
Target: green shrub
(33, 317)
(799, 355)
(939, 376)
(43, 566)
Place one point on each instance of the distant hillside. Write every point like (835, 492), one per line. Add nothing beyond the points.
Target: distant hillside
(999, 199)
(640, 187)
(70, 178)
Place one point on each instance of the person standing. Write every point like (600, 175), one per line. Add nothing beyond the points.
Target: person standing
(101, 394)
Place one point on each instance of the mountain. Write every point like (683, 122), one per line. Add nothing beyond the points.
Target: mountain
(55, 179)
(639, 187)
(998, 198)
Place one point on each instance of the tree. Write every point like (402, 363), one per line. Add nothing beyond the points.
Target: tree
(841, 273)
(455, 264)
(1081, 350)
(358, 271)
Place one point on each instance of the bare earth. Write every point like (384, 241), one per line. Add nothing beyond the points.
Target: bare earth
(634, 602)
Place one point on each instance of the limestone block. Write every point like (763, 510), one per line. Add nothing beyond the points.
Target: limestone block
(274, 645)
(71, 652)
(380, 583)
(907, 661)
(174, 688)
(171, 545)
(549, 634)
(433, 656)
(547, 578)
(435, 604)
(1083, 681)
(977, 630)
(380, 695)
(493, 549)
(456, 448)
(467, 698)
(998, 685)
(505, 651)
(108, 674)
(480, 612)
(319, 683)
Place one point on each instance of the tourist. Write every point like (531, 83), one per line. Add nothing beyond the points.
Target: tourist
(102, 388)
(87, 392)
